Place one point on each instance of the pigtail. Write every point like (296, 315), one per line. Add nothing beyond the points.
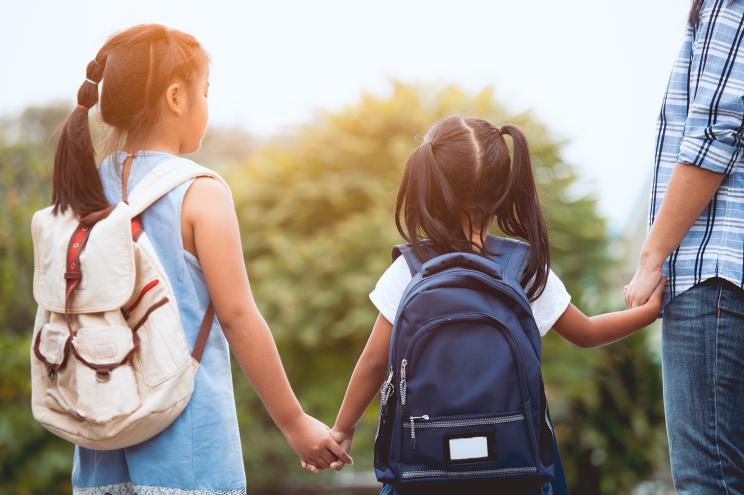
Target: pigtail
(426, 205)
(520, 215)
(75, 180)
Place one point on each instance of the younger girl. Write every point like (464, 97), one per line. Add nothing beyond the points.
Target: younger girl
(456, 184)
(155, 85)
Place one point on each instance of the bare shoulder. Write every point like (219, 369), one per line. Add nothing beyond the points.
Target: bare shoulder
(206, 197)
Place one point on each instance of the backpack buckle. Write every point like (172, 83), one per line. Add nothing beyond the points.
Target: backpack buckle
(103, 376)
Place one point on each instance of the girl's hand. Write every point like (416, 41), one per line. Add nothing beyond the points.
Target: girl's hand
(344, 438)
(312, 442)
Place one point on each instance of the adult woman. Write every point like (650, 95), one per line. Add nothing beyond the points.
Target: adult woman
(697, 240)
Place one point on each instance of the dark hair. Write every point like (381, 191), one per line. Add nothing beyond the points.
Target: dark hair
(694, 16)
(464, 171)
(136, 66)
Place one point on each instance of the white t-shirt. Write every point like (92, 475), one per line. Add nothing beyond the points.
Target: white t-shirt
(547, 308)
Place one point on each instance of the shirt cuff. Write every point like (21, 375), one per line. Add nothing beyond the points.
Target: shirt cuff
(385, 310)
(545, 324)
(709, 154)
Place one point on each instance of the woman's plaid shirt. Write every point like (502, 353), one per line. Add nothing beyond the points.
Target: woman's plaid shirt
(701, 123)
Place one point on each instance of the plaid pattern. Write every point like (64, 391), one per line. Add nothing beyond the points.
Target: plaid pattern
(700, 123)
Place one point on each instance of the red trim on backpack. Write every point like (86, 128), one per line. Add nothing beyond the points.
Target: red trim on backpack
(136, 229)
(147, 288)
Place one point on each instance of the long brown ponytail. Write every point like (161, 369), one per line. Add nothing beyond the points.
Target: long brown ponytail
(75, 181)
(464, 171)
(520, 214)
(136, 66)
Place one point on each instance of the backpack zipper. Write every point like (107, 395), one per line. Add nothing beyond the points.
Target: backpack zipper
(430, 473)
(403, 387)
(455, 423)
(386, 392)
(147, 288)
(412, 421)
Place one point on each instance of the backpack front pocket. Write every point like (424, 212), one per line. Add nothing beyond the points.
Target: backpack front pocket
(50, 346)
(457, 446)
(98, 385)
(163, 349)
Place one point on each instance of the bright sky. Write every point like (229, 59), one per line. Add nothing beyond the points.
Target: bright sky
(593, 70)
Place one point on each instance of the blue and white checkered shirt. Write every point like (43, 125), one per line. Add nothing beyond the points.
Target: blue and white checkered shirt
(701, 123)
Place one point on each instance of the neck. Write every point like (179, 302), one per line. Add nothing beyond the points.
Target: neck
(475, 237)
(153, 142)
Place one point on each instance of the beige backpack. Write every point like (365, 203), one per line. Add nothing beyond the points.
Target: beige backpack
(110, 364)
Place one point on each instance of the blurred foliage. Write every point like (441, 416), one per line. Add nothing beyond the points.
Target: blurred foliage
(316, 210)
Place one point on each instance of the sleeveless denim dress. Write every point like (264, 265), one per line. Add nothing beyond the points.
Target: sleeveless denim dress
(200, 452)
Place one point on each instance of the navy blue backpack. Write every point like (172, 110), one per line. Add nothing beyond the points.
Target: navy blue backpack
(464, 396)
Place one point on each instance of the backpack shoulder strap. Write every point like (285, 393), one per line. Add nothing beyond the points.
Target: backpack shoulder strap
(511, 254)
(414, 264)
(163, 179)
(156, 184)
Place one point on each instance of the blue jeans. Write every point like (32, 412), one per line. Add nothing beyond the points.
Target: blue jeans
(703, 374)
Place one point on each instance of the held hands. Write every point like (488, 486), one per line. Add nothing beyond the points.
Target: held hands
(343, 439)
(634, 294)
(312, 442)
(645, 281)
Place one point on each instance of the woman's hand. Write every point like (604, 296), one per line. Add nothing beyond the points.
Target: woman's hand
(645, 281)
(653, 305)
(312, 442)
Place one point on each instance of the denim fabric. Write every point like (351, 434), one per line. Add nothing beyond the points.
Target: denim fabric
(703, 371)
(200, 452)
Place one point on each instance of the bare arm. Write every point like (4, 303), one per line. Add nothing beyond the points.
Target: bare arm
(367, 378)
(585, 331)
(690, 190)
(210, 231)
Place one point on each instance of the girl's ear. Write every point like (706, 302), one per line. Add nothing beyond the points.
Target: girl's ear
(175, 98)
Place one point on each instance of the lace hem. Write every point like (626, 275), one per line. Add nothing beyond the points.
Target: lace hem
(130, 489)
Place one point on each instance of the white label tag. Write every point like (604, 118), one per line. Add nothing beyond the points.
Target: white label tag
(468, 448)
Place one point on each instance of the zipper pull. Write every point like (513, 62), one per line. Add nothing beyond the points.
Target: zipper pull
(413, 419)
(403, 386)
(386, 392)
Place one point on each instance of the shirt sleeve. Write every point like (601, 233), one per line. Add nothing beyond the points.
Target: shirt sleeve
(390, 288)
(712, 134)
(551, 304)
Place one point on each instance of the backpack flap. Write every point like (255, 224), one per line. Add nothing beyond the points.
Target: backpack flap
(106, 263)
